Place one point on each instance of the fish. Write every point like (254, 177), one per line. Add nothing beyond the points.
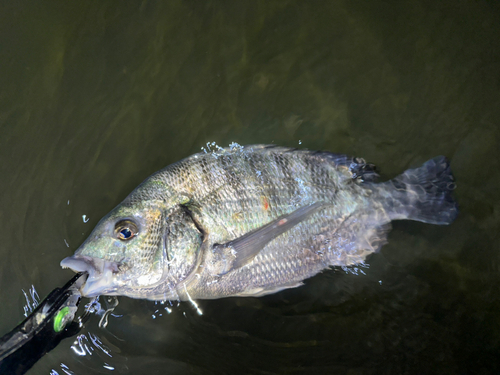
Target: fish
(253, 220)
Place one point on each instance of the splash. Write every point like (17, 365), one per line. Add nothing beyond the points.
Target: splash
(32, 300)
(111, 303)
(356, 270)
(233, 146)
(160, 307)
(215, 150)
(95, 307)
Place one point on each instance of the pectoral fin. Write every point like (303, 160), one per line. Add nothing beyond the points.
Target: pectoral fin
(238, 252)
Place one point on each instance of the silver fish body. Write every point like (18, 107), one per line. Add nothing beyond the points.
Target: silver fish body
(250, 221)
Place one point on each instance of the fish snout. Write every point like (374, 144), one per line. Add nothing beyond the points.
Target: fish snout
(101, 274)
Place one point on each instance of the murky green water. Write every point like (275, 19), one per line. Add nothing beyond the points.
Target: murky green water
(95, 96)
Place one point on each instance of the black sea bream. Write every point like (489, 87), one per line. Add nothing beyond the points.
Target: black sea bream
(254, 220)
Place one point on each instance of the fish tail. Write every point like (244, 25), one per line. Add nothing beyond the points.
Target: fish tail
(424, 194)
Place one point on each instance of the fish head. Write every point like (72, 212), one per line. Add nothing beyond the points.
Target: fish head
(125, 251)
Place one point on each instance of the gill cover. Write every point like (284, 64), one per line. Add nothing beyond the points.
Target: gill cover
(122, 247)
(161, 251)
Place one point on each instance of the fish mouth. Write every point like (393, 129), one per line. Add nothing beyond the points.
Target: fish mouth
(101, 280)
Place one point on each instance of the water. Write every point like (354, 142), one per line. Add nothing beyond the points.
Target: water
(96, 96)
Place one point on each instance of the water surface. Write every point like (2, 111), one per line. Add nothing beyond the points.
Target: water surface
(96, 96)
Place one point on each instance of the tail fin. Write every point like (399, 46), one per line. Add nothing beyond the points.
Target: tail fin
(424, 194)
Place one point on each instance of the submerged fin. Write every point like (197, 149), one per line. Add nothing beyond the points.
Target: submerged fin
(424, 194)
(264, 291)
(238, 252)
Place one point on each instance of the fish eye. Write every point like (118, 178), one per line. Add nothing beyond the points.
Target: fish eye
(125, 230)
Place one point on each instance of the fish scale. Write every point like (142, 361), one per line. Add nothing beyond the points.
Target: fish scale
(287, 250)
(249, 221)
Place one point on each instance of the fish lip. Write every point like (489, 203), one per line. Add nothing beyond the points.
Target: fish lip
(101, 274)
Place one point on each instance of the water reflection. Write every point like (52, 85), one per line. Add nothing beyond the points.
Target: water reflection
(95, 349)
(87, 345)
(82, 346)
